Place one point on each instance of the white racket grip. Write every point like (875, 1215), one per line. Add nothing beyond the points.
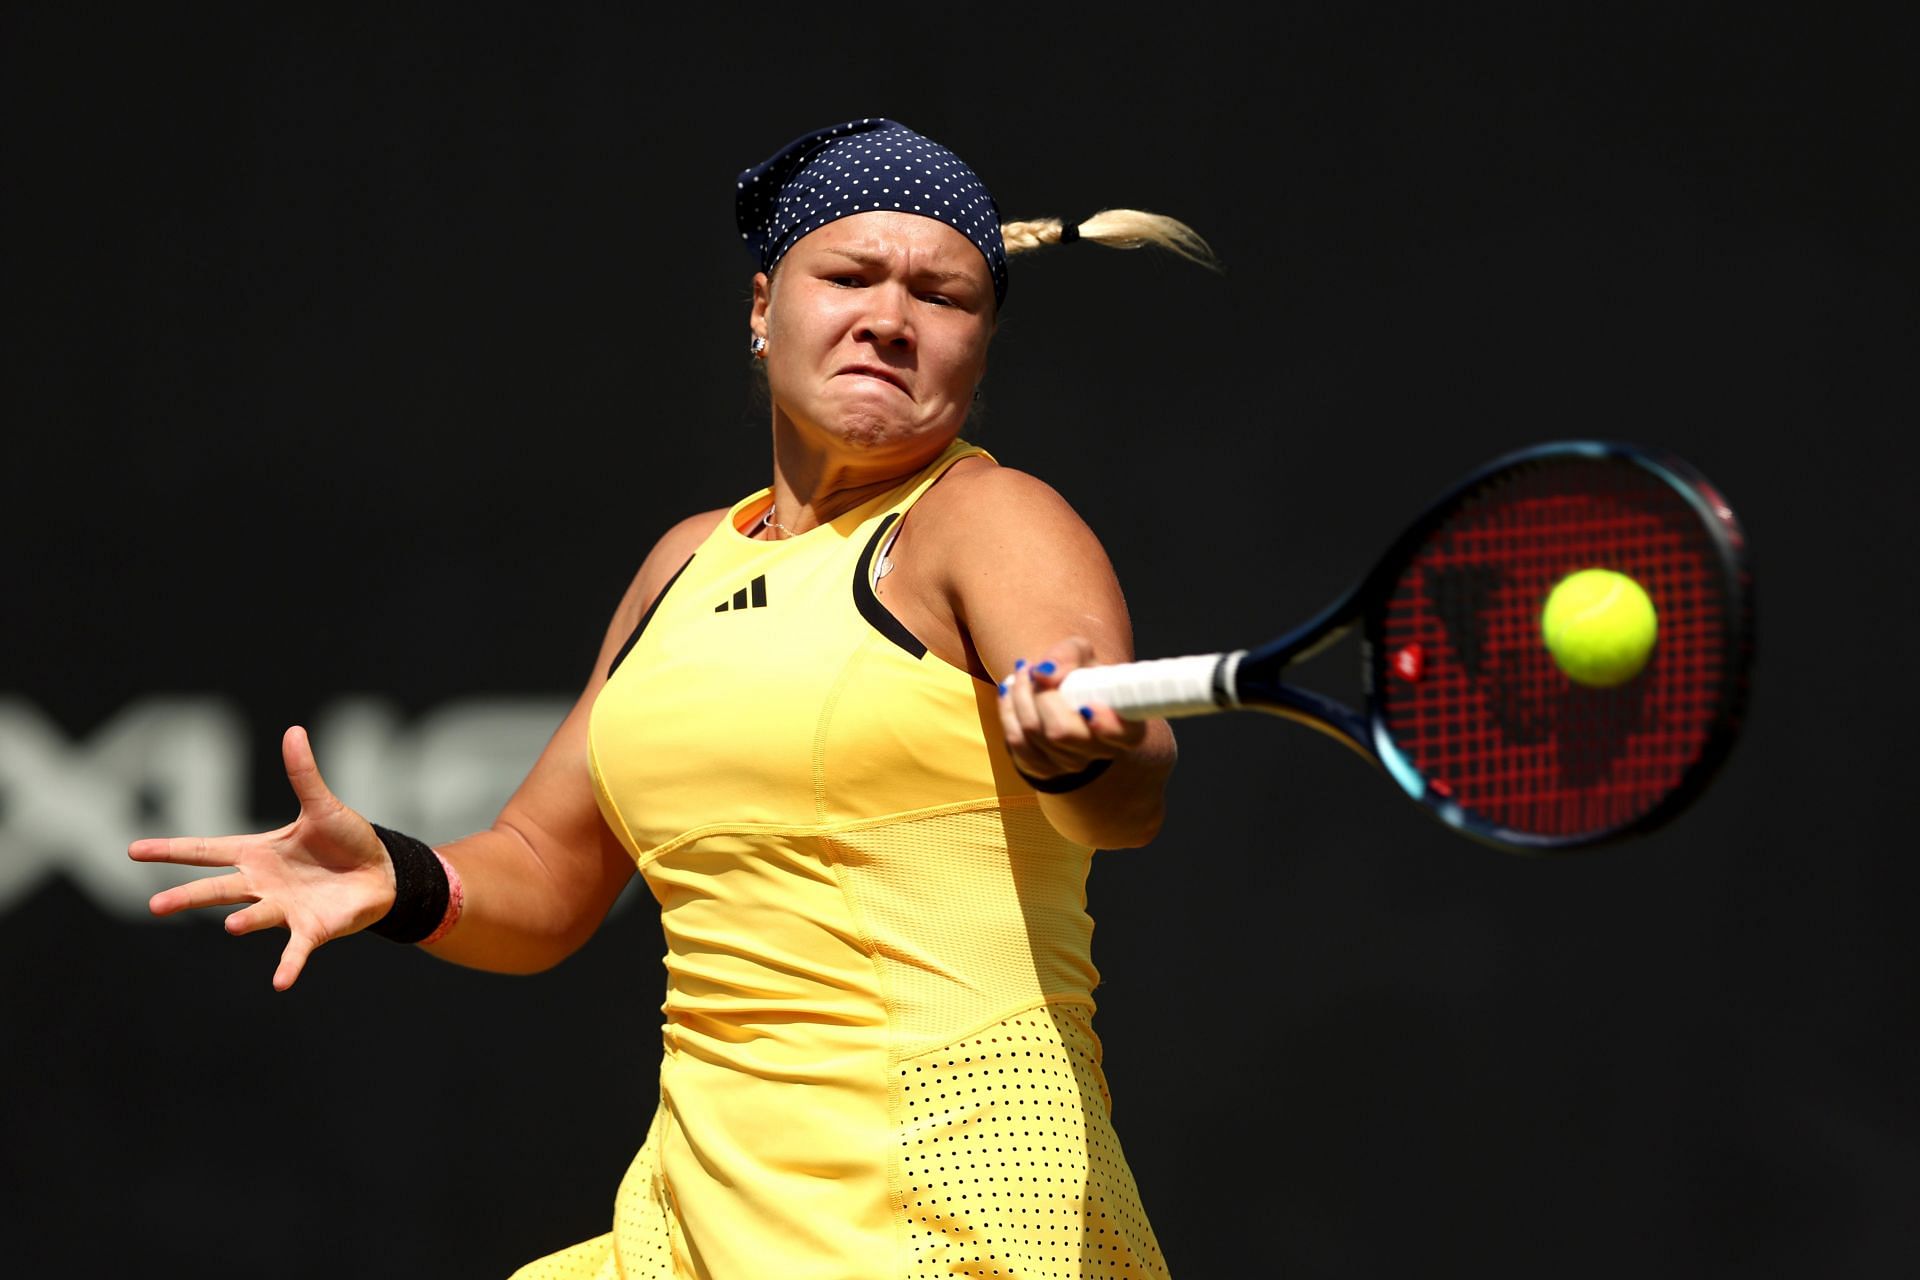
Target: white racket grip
(1167, 687)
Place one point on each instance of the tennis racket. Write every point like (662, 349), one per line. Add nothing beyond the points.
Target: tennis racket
(1464, 707)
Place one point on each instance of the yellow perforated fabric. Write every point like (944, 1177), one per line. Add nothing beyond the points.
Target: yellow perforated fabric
(970, 915)
(1008, 1163)
(878, 1057)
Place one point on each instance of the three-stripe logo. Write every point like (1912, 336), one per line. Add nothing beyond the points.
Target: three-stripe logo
(751, 596)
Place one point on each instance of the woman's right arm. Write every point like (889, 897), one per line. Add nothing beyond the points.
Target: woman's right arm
(537, 883)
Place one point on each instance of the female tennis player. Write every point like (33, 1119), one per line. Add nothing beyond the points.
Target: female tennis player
(825, 725)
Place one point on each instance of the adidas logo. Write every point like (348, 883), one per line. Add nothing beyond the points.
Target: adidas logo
(751, 596)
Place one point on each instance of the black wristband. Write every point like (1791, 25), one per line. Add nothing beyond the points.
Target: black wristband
(1066, 781)
(419, 889)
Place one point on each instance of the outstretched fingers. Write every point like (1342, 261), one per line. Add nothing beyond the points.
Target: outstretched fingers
(317, 877)
(191, 851)
(303, 773)
(293, 961)
(265, 914)
(200, 851)
(212, 891)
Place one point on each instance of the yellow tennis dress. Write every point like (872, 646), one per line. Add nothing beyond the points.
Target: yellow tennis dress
(878, 1055)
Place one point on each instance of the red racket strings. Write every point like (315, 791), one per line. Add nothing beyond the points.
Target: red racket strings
(1469, 693)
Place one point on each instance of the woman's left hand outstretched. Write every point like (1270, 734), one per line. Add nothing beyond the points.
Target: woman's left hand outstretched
(322, 876)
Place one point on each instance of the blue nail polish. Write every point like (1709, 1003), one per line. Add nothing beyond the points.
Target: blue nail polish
(1003, 688)
(1044, 669)
(1086, 713)
(1019, 664)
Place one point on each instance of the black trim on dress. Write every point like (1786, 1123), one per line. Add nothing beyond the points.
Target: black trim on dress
(645, 618)
(869, 604)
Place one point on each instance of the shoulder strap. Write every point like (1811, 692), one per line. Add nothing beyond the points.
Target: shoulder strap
(872, 562)
(645, 618)
(938, 467)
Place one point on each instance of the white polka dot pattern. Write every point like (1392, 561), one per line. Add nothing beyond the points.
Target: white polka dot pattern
(858, 167)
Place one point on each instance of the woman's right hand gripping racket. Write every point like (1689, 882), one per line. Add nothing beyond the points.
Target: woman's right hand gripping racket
(1465, 707)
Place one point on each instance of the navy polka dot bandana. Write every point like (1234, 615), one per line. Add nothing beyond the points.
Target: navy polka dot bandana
(858, 167)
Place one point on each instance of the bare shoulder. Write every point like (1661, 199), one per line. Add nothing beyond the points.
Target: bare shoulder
(986, 501)
(986, 529)
(664, 560)
(685, 536)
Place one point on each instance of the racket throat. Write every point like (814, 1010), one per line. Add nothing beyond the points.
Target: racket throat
(1224, 687)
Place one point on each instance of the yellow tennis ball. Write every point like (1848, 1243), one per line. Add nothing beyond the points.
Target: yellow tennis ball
(1599, 626)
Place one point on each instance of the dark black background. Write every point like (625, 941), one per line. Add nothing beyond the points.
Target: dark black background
(369, 350)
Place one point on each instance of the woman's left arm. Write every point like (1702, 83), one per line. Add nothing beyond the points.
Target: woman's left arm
(1036, 596)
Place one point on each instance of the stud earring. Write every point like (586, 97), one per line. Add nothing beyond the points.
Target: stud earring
(757, 347)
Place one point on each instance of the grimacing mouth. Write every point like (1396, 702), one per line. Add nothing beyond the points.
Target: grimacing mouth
(877, 371)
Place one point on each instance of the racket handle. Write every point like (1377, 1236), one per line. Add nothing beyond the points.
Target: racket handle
(1192, 686)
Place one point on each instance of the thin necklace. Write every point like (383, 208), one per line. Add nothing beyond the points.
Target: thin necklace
(768, 522)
